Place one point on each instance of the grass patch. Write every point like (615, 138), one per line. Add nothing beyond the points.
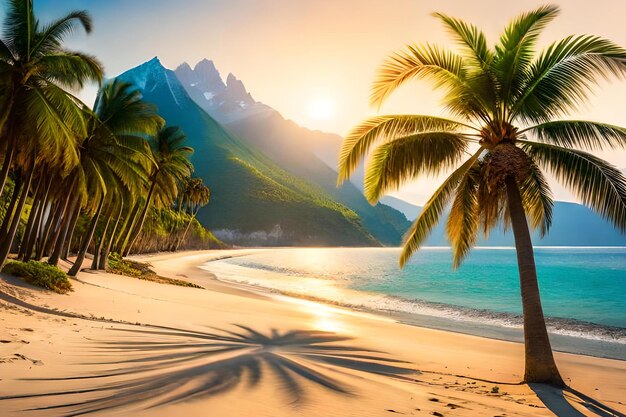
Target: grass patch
(40, 274)
(141, 270)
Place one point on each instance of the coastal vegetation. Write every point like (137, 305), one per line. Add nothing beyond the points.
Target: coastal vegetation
(506, 104)
(74, 179)
(40, 274)
(142, 270)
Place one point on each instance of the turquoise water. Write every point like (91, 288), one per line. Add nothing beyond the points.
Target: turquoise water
(579, 286)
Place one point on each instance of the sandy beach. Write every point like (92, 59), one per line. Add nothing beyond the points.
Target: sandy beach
(123, 346)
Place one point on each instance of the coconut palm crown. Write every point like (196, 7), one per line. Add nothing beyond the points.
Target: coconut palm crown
(505, 104)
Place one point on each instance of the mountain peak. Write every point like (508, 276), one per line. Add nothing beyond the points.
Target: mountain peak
(205, 65)
(184, 66)
(184, 72)
(152, 75)
(236, 87)
(204, 75)
(225, 101)
(154, 62)
(231, 78)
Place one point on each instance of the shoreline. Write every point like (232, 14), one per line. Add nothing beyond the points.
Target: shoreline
(450, 373)
(569, 336)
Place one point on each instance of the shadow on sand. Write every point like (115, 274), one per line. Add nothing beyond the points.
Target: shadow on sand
(162, 366)
(554, 399)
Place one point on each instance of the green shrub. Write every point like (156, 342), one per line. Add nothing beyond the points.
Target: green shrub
(117, 265)
(141, 270)
(40, 274)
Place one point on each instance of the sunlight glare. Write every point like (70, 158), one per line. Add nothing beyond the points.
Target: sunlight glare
(321, 108)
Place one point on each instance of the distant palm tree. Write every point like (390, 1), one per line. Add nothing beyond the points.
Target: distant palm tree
(171, 165)
(502, 97)
(194, 196)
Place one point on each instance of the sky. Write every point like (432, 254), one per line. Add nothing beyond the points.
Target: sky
(314, 60)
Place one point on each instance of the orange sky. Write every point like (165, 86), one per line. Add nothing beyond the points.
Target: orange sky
(293, 54)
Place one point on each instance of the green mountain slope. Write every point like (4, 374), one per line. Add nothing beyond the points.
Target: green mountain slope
(253, 201)
(287, 144)
(284, 142)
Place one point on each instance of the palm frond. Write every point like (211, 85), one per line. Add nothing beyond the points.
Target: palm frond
(515, 50)
(429, 217)
(52, 36)
(20, 26)
(471, 39)
(402, 159)
(598, 184)
(537, 200)
(492, 202)
(6, 55)
(462, 225)
(564, 74)
(579, 134)
(443, 67)
(56, 122)
(120, 107)
(358, 142)
(68, 69)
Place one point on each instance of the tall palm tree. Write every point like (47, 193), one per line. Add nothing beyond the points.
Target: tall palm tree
(172, 164)
(34, 70)
(39, 120)
(506, 102)
(114, 154)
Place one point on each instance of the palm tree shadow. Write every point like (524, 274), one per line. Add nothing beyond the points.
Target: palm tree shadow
(554, 399)
(162, 366)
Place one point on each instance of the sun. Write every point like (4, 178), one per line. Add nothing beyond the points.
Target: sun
(321, 108)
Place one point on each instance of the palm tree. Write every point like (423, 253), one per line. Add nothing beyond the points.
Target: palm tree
(194, 196)
(507, 101)
(39, 120)
(172, 164)
(114, 154)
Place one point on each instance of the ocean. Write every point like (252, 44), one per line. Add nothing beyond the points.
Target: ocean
(583, 289)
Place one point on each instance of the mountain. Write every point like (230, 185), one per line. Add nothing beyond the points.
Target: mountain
(302, 152)
(411, 211)
(224, 101)
(572, 225)
(253, 201)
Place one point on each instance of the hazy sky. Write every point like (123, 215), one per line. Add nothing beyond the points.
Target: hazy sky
(314, 60)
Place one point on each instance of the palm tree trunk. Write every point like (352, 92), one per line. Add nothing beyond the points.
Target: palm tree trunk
(69, 237)
(142, 219)
(52, 228)
(33, 228)
(182, 239)
(80, 257)
(6, 164)
(8, 215)
(104, 256)
(98, 246)
(59, 239)
(7, 242)
(129, 224)
(540, 365)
